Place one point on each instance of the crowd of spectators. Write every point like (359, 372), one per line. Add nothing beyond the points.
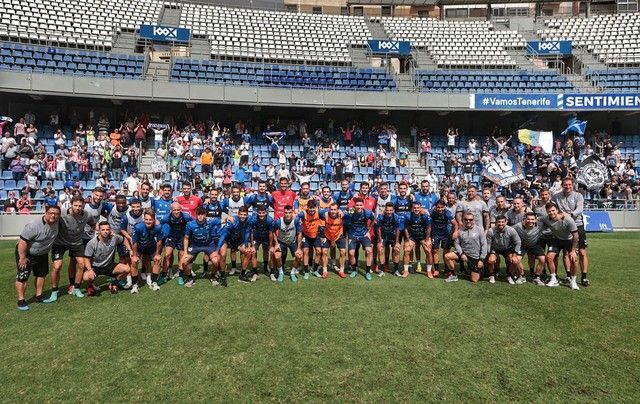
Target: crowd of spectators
(209, 154)
(541, 170)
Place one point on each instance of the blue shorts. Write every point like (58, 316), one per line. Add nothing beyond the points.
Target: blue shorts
(123, 251)
(148, 252)
(341, 243)
(363, 241)
(388, 242)
(308, 242)
(441, 241)
(415, 239)
(233, 244)
(257, 243)
(176, 244)
(290, 247)
(195, 250)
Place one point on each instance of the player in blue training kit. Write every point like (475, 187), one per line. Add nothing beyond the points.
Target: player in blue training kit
(417, 232)
(147, 244)
(358, 234)
(444, 229)
(199, 238)
(163, 203)
(261, 237)
(236, 236)
(388, 228)
(174, 227)
(426, 198)
(260, 199)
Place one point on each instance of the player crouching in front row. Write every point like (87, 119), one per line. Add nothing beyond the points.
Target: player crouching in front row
(101, 252)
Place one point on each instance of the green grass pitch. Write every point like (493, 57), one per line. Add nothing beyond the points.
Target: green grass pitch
(388, 340)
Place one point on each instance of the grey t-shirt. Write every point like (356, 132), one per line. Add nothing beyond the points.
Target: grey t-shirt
(472, 242)
(102, 253)
(72, 228)
(495, 211)
(541, 212)
(40, 236)
(560, 229)
(528, 237)
(94, 212)
(572, 204)
(505, 240)
(515, 217)
(477, 207)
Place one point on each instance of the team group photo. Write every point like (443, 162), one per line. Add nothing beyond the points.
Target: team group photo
(305, 201)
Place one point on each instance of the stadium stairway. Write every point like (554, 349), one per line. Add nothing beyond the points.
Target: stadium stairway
(170, 15)
(414, 164)
(124, 42)
(359, 57)
(376, 29)
(582, 84)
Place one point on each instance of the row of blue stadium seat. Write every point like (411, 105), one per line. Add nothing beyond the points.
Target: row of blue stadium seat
(75, 62)
(16, 47)
(491, 77)
(281, 76)
(473, 85)
(621, 79)
(70, 67)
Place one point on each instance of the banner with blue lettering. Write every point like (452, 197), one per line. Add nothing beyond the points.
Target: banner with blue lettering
(601, 101)
(505, 169)
(523, 101)
(551, 48)
(574, 102)
(597, 221)
(389, 46)
(164, 33)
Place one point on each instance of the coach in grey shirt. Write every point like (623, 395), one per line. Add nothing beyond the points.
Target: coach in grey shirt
(475, 205)
(32, 252)
(471, 248)
(100, 252)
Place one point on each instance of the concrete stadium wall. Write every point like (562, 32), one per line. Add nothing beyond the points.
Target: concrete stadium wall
(12, 225)
(148, 90)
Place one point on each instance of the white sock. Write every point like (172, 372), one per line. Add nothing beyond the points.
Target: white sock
(429, 267)
(281, 270)
(553, 277)
(324, 269)
(129, 281)
(406, 267)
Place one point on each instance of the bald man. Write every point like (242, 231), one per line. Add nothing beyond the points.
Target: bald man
(173, 226)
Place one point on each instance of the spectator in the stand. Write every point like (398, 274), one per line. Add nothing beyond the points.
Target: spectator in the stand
(10, 204)
(59, 138)
(501, 142)
(32, 182)
(50, 197)
(206, 160)
(17, 168)
(425, 151)
(472, 146)
(116, 164)
(255, 169)
(452, 133)
(328, 170)
(218, 176)
(19, 130)
(283, 172)
(30, 118)
(24, 204)
(347, 135)
(31, 134)
(91, 136)
(103, 181)
(115, 138)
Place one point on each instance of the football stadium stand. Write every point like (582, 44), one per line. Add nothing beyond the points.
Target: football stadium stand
(492, 81)
(276, 35)
(457, 44)
(612, 38)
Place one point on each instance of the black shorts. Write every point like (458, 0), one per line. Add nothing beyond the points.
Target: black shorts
(472, 263)
(105, 270)
(582, 237)
(39, 264)
(537, 250)
(504, 253)
(557, 246)
(57, 251)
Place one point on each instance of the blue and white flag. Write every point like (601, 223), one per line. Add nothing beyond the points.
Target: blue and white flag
(505, 169)
(575, 125)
